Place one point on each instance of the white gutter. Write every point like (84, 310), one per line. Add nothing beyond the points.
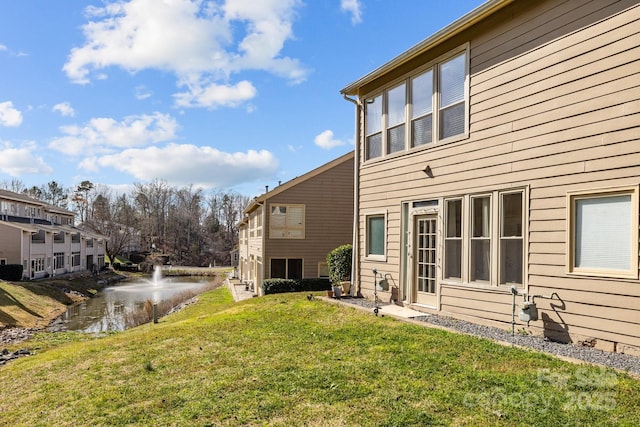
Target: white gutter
(356, 165)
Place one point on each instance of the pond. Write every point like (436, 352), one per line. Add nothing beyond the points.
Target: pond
(107, 310)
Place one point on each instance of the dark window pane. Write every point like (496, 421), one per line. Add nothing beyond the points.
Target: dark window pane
(278, 268)
(452, 121)
(374, 146)
(295, 269)
(396, 139)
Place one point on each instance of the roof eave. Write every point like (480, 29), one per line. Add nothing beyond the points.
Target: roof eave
(459, 25)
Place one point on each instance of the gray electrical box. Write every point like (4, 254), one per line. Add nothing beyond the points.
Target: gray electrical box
(528, 311)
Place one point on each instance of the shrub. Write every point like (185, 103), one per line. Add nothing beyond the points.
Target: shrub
(278, 286)
(339, 263)
(11, 272)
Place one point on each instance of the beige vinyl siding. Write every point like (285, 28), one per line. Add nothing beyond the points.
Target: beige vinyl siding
(554, 107)
(328, 204)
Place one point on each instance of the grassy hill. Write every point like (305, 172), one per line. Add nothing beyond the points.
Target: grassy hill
(283, 360)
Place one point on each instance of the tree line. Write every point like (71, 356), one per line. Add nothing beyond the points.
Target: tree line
(184, 225)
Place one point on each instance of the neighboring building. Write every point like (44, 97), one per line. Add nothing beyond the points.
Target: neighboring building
(504, 151)
(43, 238)
(288, 231)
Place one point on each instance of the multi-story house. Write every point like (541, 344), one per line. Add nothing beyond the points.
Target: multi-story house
(287, 232)
(499, 160)
(42, 238)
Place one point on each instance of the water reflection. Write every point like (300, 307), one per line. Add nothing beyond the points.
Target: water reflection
(106, 311)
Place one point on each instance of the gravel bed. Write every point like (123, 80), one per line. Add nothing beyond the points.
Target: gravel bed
(623, 362)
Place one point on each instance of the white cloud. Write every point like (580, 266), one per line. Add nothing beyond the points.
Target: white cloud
(193, 39)
(142, 93)
(354, 8)
(325, 140)
(65, 109)
(3, 47)
(102, 135)
(9, 116)
(22, 161)
(215, 95)
(186, 164)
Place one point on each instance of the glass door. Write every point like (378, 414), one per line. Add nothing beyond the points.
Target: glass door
(425, 259)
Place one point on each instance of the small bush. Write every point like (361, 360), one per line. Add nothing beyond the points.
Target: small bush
(278, 286)
(339, 263)
(11, 272)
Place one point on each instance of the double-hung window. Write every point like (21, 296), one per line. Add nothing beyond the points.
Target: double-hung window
(430, 105)
(511, 238)
(453, 239)
(452, 96)
(373, 120)
(603, 233)
(480, 258)
(422, 109)
(396, 104)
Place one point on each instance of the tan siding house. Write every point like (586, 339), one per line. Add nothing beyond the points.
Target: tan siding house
(288, 231)
(43, 238)
(501, 155)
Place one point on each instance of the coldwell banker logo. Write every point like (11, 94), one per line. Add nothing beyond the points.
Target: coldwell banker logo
(584, 389)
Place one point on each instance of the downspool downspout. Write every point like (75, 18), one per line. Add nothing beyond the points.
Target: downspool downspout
(356, 163)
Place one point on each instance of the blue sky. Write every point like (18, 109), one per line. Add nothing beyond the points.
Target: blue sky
(222, 95)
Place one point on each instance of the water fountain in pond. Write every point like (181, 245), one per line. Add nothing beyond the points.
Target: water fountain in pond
(156, 277)
(106, 311)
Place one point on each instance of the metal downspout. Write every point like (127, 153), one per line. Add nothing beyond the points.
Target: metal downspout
(356, 163)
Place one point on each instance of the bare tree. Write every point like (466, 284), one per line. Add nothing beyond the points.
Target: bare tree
(15, 185)
(152, 202)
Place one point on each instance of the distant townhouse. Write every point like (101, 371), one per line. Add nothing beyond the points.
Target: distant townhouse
(498, 163)
(43, 238)
(287, 232)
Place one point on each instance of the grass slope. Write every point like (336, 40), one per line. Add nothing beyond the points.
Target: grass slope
(30, 305)
(282, 360)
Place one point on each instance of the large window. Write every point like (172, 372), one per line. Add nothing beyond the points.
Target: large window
(286, 222)
(604, 233)
(402, 117)
(286, 268)
(484, 238)
(376, 236)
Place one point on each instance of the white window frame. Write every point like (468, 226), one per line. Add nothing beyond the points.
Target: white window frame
(368, 255)
(382, 97)
(572, 197)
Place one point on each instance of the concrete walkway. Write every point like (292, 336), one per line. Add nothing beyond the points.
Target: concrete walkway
(238, 290)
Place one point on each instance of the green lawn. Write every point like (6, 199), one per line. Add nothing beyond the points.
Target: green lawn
(282, 360)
